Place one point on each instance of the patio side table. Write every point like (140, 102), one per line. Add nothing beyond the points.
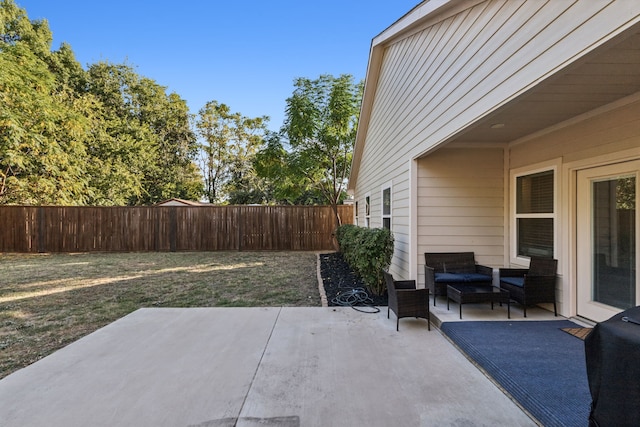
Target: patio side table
(466, 294)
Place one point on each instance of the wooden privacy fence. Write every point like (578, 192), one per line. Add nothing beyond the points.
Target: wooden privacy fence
(168, 228)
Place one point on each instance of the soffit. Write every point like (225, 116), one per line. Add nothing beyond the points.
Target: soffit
(608, 74)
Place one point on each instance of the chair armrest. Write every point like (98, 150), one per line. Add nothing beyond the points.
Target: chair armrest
(429, 276)
(513, 272)
(483, 269)
(404, 284)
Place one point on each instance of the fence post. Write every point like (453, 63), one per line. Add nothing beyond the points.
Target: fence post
(173, 225)
(156, 228)
(240, 229)
(41, 230)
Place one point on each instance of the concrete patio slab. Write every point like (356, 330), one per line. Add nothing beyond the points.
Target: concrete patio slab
(256, 366)
(483, 312)
(153, 367)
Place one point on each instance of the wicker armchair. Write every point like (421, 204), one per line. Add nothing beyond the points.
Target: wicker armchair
(448, 268)
(534, 285)
(407, 301)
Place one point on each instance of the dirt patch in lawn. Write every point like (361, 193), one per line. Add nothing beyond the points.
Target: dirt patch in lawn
(48, 301)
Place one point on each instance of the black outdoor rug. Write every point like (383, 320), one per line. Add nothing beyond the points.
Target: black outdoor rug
(542, 367)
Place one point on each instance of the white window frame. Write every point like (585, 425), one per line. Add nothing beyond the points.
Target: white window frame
(389, 216)
(552, 166)
(355, 210)
(367, 210)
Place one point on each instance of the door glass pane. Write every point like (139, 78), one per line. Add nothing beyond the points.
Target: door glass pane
(614, 236)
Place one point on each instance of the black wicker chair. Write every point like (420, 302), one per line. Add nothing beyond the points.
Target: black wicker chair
(407, 301)
(534, 285)
(448, 268)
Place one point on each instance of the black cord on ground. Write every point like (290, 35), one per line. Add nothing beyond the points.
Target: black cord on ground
(354, 298)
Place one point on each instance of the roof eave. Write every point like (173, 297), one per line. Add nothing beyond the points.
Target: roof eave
(409, 23)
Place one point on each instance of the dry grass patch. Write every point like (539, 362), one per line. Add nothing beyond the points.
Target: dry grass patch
(49, 301)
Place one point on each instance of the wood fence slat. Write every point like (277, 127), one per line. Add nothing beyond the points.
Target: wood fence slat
(164, 228)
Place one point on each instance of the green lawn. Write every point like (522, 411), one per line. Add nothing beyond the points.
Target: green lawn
(48, 301)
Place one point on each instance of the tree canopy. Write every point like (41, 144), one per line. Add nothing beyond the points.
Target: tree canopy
(229, 143)
(106, 135)
(312, 155)
(103, 136)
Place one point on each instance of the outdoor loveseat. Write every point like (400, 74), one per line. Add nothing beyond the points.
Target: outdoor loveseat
(442, 269)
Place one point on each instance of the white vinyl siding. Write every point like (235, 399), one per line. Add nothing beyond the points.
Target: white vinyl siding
(440, 80)
(461, 204)
(428, 84)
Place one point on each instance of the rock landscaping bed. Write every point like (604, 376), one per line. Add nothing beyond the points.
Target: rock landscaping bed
(339, 281)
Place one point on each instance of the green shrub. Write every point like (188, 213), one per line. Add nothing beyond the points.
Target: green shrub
(368, 252)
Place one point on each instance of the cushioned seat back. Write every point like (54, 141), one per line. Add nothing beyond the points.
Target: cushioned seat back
(451, 262)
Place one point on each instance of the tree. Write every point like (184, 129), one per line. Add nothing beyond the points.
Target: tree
(142, 145)
(280, 183)
(230, 141)
(104, 136)
(320, 124)
(174, 173)
(120, 146)
(41, 130)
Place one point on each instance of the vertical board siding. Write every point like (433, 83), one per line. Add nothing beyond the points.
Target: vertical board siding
(145, 229)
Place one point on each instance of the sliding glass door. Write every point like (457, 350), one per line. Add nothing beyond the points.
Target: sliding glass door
(607, 264)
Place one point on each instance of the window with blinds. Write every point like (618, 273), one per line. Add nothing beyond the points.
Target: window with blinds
(367, 211)
(535, 214)
(386, 208)
(356, 214)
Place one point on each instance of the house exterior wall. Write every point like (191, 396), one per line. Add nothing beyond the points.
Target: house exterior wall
(436, 81)
(461, 204)
(439, 71)
(611, 131)
(394, 174)
(604, 137)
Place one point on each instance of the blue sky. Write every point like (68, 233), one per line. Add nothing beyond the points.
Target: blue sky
(245, 54)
